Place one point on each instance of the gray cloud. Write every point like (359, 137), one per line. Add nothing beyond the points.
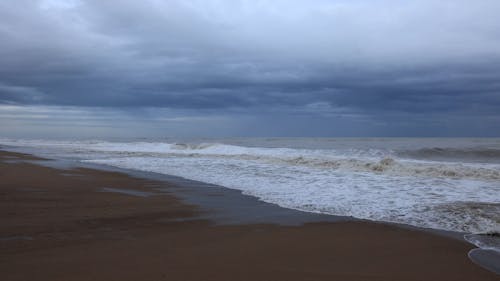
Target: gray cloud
(327, 62)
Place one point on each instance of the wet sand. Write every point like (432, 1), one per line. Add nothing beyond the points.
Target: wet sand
(87, 224)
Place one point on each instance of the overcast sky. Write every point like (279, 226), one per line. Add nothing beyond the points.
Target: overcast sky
(249, 68)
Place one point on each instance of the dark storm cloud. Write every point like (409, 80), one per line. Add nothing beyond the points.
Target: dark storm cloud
(354, 58)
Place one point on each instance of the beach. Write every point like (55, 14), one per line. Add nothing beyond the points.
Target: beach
(87, 224)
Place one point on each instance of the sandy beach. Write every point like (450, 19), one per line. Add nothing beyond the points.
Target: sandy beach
(86, 224)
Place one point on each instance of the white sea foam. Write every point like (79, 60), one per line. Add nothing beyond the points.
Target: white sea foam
(374, 179)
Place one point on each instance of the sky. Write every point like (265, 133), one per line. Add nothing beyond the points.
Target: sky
(229, 68)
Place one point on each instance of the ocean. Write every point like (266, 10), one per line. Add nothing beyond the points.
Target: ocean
(441, 183)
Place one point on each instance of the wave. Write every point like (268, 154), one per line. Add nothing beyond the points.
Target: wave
(363, 160)
(488, 240)
(390, 166)
(478, 218)
(192, 146)
(476, 154)
(385, 166)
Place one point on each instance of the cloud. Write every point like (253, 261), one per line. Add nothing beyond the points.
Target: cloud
(19, 94)
(323, 59)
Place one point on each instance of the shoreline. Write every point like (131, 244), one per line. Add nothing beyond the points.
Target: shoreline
(126, 226)
(221, 205)
(209, 197)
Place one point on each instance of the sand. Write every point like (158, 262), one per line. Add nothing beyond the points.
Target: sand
(87, 224)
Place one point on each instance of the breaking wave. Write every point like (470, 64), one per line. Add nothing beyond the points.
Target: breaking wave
(190, 146)
(389, 166)
(476, 154)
